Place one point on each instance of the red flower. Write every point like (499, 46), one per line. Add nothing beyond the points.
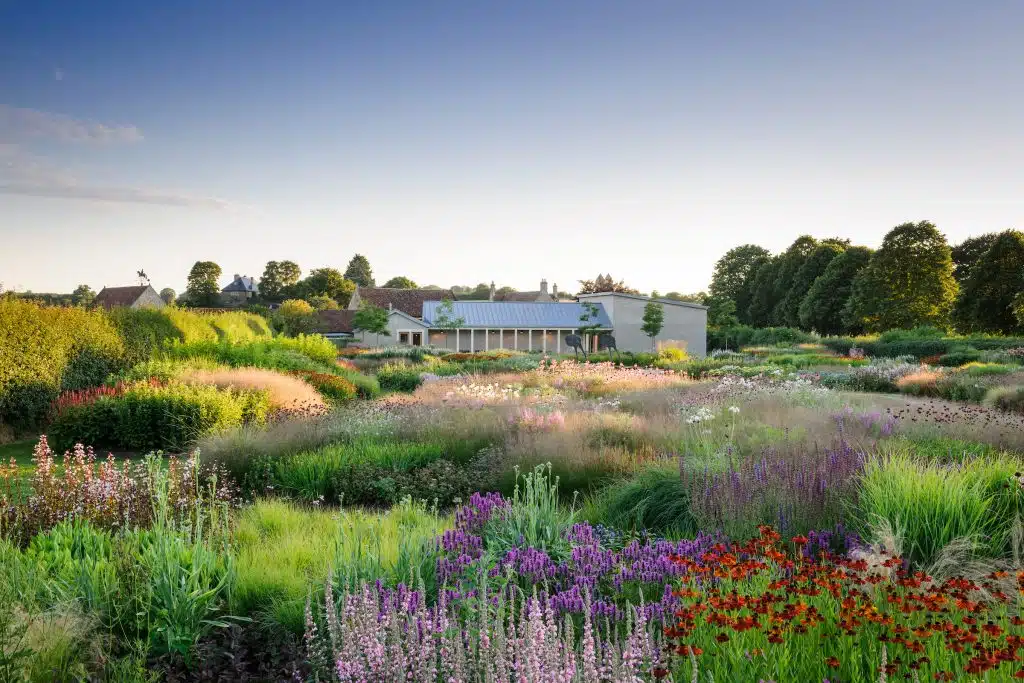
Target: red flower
(832, 662)
(722, 637)
(799, 540)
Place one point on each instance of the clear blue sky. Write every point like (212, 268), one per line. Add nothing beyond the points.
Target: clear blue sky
(457, 142)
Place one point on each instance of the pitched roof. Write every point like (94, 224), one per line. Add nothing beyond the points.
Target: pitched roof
(516, 314)
(242, 284)
(112, 297)
(335, 321)
(408, 301)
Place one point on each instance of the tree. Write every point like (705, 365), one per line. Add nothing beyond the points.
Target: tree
(813, 266)
(967, 253)
(322, 302)
(400, 282)
(445, 318)
(370, 318)
(654, 320)
(83, 295)
(359, 271)
(790, 262)
(721, 311)
(695, 298)
(325, 282)
(605, 283)
(762, 294)
(822, 308)
(481, 291)
(295, 317)
(278, 276)
(908, 282)
(986, 300)
(168, 295)
(203, 289)
(734, 273)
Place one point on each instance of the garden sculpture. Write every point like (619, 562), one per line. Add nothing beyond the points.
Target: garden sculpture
(605, 340)
(575, 342)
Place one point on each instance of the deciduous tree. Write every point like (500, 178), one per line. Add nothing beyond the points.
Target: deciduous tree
(734, 274)
(967, 253)
(400, 282)
(605, 283)
(653, 320)
(908, 282)
(372, 319)
(278, 276)
(813, 266)
(294, 317)
(445, 319)
(762, 294)
(789, 263)
(822, 308)
(326, 282)
(83, 295)
(168, 295)
(985, 303)
(203, 288)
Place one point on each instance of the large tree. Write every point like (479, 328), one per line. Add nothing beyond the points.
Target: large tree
(359, 271)
(294, 317)
(605, 283)
(822, 309)
(325, 282)
(790, 262)
(985, 303)
(168, 295)
(203, 288)
(762, 294)
(967, 253)
(908, 282)
(813, 266)
(278, 276)
(400, 282)
(83, 295)
(734, 274)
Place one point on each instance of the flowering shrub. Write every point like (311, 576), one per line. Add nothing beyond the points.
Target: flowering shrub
(776, 615)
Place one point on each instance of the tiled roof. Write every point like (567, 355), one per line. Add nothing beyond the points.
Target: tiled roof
(113, 297)
(517, 315)
(335, 321)
(408, 301)
(242, 284)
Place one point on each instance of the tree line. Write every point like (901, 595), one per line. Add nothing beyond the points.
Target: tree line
(914, 278)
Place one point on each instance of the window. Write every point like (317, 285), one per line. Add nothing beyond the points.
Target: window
(403, 337)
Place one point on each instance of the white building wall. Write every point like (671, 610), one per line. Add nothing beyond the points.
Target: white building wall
(683, 323)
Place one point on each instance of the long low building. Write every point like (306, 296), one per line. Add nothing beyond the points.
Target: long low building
(525, 326)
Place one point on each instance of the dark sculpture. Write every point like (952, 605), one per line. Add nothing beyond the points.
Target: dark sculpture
(605, 340)
(575, 342)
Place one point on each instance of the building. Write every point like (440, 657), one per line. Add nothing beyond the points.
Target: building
(422, 317)
(685, 323)
(540, 296)
(142, 296)
(240, 292)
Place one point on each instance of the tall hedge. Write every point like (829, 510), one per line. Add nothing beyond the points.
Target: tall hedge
(146, 331)
(44, 350)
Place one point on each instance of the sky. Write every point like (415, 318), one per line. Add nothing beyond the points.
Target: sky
(458, 142)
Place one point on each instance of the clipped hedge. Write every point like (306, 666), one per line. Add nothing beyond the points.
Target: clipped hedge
(146, 416)
(147, 331)
(895, 345)
(738, 336)
(44, 350)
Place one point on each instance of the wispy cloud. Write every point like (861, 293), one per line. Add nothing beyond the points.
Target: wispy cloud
(20, 124)
(99, 193)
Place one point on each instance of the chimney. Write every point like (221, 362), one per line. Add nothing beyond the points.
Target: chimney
(543, 288)
(237, 276)
(554, 291)
(390, 306)
(491, 296)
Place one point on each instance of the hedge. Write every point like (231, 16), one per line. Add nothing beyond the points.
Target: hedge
(738, 336)
(147, 331)
(394, 377)
(922, 348)
(44, 350)
(145, 417)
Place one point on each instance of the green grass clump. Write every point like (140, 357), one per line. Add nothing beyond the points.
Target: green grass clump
(930, 504)
(285, 551)
(654, 500)
(393, 377)
(1010, 398)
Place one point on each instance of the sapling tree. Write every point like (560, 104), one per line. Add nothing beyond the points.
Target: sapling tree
(654, 320)
(372, 319)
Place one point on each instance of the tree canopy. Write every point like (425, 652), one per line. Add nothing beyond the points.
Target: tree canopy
(822, 308)
(789, 263)
(985, 303)
(203, 288)
(400, 282)
(605, 283)
(734, 274)
(326, 282)
(83, 295)
(762, 294)
(168, 295)
(813, 266)
(908, 282)
(359, 271)
(653, 320)
(278, 277)
(370, 318)
(966, 254)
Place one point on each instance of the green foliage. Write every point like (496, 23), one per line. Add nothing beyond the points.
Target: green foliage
(815, 265)
(985, 303)
(605, 283)
(295, 317)
(822, 308)
(44, 350)
(534, 519)
(654, 500)
(762, 294)
(366, 386)
(359, 271)
(332, 387)
(741, 336)
(445, 318)
(327, 282)
(653, 320)
(1009, 398)
(967, 253)
(277, 277)
(83, 295)
(734, 273)
(955, 359)
(370, 318)
(203, 287)
(789, 264)
(394, 377)
(168, 296)
(908, 281)
(305, 352)
(400, 282)
(147, 417)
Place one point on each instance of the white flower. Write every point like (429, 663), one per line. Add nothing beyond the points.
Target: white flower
(734, 409)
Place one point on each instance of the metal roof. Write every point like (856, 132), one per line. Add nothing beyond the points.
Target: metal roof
(517, 314)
